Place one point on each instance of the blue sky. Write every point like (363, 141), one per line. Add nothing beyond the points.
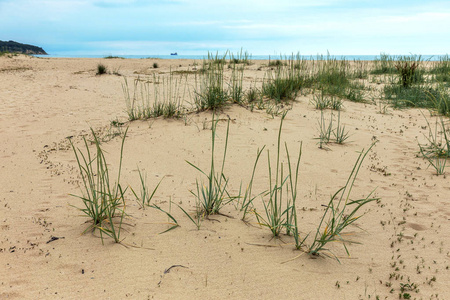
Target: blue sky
(138, 27)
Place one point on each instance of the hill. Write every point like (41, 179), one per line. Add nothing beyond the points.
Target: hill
(12, 46)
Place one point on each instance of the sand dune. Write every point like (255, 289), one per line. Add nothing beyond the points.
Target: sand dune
(403, 239)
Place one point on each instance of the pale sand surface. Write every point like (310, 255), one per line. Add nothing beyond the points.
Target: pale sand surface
(43, 101)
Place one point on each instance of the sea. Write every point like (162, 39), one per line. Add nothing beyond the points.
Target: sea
(251, 57)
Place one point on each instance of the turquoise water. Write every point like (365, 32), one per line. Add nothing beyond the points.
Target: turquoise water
(255, 57)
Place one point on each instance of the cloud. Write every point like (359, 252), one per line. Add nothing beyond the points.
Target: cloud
(264, 25)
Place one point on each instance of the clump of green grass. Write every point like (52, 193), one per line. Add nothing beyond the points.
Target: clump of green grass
(339, 214)
(112, 57)
(323, 101)
(101, 69)
(340, 134)
(275, 214)
(407, 67)
(333, 75)
(240, 58)
(275, 63)
(235, 85)
(385, 64)
(335, 103)
(145, 197)
(354, 92)
(211, 197)
(280, 209)
(210, 94)
(103, 200)
(155, 65)
(326, 131)
(443, 77)
(286, 81)
(411, 90)
(437, 150)
(440, 99)
(160, 97)
(281, 88)
(442, 68)
(252, 95)
(421, 96)
(216, 59)
(360, 69)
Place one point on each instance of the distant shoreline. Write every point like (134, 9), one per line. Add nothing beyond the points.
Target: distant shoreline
(434, 57)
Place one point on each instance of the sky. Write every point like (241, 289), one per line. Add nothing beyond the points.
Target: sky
(261, 27)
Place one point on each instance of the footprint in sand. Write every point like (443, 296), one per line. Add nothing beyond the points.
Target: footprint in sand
(416, 227)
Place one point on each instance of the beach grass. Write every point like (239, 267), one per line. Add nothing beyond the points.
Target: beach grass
(145, 195)
(408, 70)
(280, 209)
(240, 58)
(101, 69)
(325, 130)
(235, 85)
(321, 101)
(161, 96)
(103, 200)
(283, 82)
(339, 214)
(112, 57)
(340, 134)
(385, 64)
(247, 199)
(437, 149)
(209, 91)
(213, 195)
(442, 67)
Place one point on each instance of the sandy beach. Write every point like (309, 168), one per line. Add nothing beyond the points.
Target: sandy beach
(401, 241)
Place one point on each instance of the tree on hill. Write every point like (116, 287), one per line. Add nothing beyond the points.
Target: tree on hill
(16, 47)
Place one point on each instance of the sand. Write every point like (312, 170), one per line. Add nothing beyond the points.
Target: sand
(402, 240)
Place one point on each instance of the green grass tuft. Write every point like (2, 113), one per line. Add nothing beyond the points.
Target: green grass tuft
(339, 214)
(212, 196)
(101, 69)
(103, 200)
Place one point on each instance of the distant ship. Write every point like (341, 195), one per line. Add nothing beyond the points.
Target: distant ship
(174, 53)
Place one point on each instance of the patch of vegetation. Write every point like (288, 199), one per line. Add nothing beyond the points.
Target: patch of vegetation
(151, 99)
(407, 67)
(286, 81)
(339, 214)
(240, 58)
(437, 150)
(385, 64)
(101, 69)
(112, 57)
(275, 63)
(443, 66)
(15, 47)
(421, 96)
(322, 101)
(280, 211)
(211, 197)
(360, 69)
(441, 70)
(104, 201)
(210, 93)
